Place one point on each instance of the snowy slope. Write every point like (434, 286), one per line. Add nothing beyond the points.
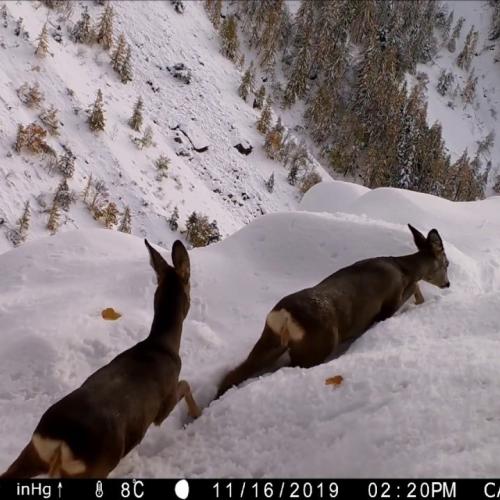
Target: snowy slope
(418, 397)
(220, 182)
(465, 125)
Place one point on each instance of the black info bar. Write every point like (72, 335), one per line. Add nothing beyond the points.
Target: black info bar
(229, 489)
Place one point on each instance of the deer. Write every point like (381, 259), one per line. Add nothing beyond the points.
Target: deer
(311, 324)
(86, 433)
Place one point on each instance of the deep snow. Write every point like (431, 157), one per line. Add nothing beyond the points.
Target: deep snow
(419, 396)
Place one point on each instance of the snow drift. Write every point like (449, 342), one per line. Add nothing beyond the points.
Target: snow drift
(418, 396)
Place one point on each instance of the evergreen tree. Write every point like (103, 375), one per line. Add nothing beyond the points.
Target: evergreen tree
(88, 187)
(270, 183)
(54, 218)
(455, 34)
(110, 215)
(21, 138)
(446, 80)
(105, 28)
(229, 34)
(24, 221)
(173, 221)
(469, 91)
(42, 48)
(273, 144)
(50, 119)
(465, 57)
(126, 69)
(96, 119)
(83, 31)
(66, 164)
(247, 83)
(135, 121)
(126, 222)
(64, 197)
(260, 97)
(265, 118)
(297, 83)
(293, 174)
(118, 56)
(215, 12)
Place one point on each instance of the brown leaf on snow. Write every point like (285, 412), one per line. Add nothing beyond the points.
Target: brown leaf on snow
(110, 314)
(335, 381)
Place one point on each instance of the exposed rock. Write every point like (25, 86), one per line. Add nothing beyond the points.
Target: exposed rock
(181, 72)
(195, 136)
(244, 147)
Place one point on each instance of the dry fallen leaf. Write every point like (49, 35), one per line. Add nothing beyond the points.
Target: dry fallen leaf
(110, 314)
(335, 381)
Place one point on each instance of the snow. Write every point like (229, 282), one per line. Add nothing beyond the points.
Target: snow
(465, 125)
(418, 392)
(219, 182)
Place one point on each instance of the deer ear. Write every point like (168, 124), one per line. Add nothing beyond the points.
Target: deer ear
(435, 242)
(180, 258)
(158, 263)
(419, 238)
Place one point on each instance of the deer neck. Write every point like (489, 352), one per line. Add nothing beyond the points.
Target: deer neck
(415, 266)
(166, 329)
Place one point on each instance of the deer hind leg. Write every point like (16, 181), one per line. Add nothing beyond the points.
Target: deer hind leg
(28, 464)
(184, 391)
(314, 348)
(265, 352)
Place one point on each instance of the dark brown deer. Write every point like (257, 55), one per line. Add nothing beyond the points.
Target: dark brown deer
(312, 323)
(90, 430)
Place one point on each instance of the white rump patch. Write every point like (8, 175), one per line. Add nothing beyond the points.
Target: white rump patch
(282, 323)
(46, 447)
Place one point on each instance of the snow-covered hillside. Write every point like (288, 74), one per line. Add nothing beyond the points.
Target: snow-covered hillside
(418, 397)
(464, 125)
(220, 182)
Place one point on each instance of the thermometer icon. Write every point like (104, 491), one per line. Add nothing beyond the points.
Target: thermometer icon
(98, 490)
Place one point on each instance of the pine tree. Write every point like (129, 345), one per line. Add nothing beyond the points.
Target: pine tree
(100, 191)
(110, 215)
(54, 216)
(105, 28)
(260, 97)
(126, 222)
(146, 140)
(265, 118)
(24, 221)
(455, 34)
(229, 34)
(66, 164)
(215, 12)
(247, 83)
(42, 48)
(21, 138)
(64, 197)
(173, 220)
(50, 119)
(465, 57)
(118, 56)
(135, 121)
(270, 183)
(83, 31)
(445, 82)
(293, 174)
(273, 145)
(469, 90)
(162, 165)
(126, 69)
(87, 189)
(96, 119)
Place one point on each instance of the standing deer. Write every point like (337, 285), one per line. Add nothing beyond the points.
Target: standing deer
(311, 323)
(90, 430)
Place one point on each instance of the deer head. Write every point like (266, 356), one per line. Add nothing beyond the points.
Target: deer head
(436, 269)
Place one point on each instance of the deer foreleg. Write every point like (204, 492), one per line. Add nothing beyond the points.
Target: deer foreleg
(419, 298)
(184, 391)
